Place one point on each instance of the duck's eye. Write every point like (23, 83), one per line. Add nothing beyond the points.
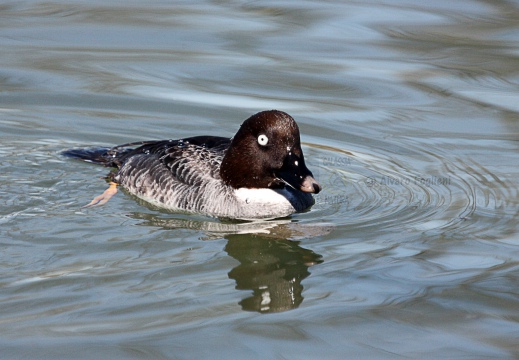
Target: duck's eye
(263, 140)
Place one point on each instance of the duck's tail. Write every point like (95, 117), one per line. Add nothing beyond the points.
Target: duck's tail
(100, 155)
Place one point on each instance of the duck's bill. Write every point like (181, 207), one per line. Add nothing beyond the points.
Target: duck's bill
(310, 185)
(299, 177)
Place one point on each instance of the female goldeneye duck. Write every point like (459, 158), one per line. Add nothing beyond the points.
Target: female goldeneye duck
(259, 173)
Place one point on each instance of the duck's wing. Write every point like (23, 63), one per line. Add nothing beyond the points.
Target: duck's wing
(188, 161)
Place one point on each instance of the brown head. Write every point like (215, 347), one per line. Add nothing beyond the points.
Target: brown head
(266, 153)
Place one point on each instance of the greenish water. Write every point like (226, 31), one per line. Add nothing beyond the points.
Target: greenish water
(409, 119)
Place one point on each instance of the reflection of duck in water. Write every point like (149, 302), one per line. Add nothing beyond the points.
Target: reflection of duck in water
(272, 268)
(271, 265)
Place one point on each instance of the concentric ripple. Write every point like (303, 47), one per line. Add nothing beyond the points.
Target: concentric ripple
(363, 188)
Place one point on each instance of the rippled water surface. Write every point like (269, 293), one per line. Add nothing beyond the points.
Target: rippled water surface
(409, 117)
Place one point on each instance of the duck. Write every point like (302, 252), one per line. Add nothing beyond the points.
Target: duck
(259, 173)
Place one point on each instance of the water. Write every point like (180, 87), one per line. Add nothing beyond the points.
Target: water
(408, 113)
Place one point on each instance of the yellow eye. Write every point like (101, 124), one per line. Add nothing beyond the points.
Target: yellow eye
(263, 140)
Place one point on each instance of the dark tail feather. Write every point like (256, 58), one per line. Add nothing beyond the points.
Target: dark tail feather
(102, 156)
